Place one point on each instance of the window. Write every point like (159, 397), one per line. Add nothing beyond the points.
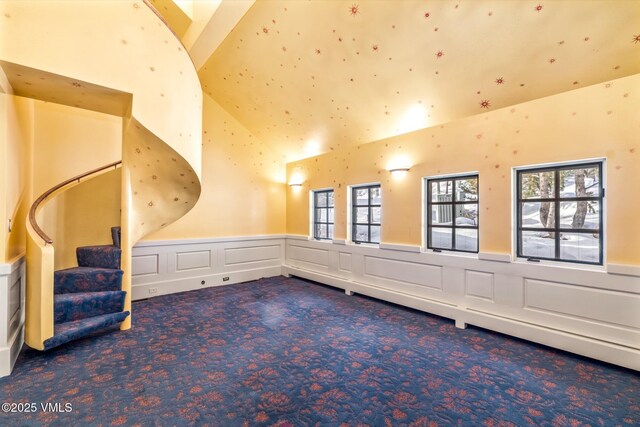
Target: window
(365, 214)
(323, 214)
(452, 213)
(559, 213)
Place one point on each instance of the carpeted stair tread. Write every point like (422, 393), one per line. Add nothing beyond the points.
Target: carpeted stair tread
(102, 256)
(69, 331)
(80, 305)
(115, 236)
(87, 279)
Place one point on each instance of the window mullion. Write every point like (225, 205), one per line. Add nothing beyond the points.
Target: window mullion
(557, 214)
(601, 191)
(519, 248)
(453, 222)
(369, 202)
(453, 214)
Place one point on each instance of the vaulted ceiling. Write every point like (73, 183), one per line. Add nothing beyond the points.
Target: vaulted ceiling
(308, 77)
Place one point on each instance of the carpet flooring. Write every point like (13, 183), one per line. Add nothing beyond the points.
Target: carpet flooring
(287, 352)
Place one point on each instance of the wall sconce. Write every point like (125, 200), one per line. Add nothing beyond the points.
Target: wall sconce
(399, 165)
(296, 179)
(399, 171)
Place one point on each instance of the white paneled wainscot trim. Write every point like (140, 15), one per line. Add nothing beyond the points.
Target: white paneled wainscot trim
(169, 266)
(12, 303)
(594, 313)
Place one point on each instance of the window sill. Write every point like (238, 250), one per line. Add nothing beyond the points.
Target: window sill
(560, 264)
(313, 239)
(366, 245)
(454, 254)
(400, 247)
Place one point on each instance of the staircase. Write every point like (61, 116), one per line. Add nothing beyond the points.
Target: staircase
(168, 140)
(88, 298)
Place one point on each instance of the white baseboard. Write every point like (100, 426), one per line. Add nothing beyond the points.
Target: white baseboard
(12, 303)
(192, 283)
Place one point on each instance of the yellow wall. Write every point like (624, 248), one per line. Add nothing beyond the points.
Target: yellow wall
(68, 142)
(600, 121)
(16, 141)
(83, 216)
(76, 45)
(41, 145)
(243, 190)
(140, 55)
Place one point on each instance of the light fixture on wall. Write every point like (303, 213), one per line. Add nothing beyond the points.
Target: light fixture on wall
(296, 179)
(399, 165)
(399, 171)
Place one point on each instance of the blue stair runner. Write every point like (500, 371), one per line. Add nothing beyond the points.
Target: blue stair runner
(88, 298)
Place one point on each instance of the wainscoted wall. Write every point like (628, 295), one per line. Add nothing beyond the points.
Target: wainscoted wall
(587, 311)
(12, 302)
(592, 312)
(169, 266)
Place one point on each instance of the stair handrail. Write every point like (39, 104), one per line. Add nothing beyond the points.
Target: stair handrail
(46, 194)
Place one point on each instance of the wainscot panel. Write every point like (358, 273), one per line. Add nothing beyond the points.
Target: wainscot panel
(144, 265)
(315, 257)
(345, 261)
(164, 267)
(193, 260)
(12, 303)
(479, 284)
(251, 254)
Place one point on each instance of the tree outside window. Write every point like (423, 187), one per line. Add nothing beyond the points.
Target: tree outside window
(560, 213)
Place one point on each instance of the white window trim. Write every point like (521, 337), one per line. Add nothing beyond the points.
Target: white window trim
(312, 210)
(349, 239)
(514, 215)
(424, 228)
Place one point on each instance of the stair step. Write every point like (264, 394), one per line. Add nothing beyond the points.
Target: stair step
(87, 279)
(69, 331)
(103, 256)
(115, 236)
(80, 305)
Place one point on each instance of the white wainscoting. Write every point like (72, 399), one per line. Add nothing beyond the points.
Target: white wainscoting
(12, 303)
(169, 266)
(586, 311)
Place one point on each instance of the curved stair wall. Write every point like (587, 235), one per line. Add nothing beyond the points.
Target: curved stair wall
(119, 45)
(93, 48)
(40, 289)
(39, 300)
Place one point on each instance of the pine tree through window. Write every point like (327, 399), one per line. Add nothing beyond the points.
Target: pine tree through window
(559, 213)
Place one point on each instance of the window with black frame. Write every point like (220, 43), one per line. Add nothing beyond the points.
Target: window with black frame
(366, 213)
(323, 214)
(559, 213)
(452, 213)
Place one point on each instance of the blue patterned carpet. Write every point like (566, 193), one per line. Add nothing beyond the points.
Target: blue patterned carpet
(287, 352)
